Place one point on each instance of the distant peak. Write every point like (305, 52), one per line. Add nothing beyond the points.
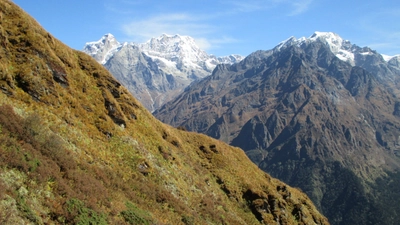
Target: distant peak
(330, 37)
(171, 42)
(108, 35)
(387, 58)
(288, 42)
(105, 38)
(340, 47)
(170, 35)
(324, 34)
(175, 37)
(163, 36)
(102, 49)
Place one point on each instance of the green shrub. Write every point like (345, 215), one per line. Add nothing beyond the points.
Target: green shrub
(134, 215)
(26, 210)
(188, 220)
(81, 215)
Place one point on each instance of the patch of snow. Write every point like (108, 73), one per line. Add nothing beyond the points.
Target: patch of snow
(337, 45)
(286, 43)
(388, 57)
(340, 47)
(366, 53)
(103, 49)
(177, 55)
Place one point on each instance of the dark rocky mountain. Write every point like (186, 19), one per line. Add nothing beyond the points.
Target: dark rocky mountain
(318, 113)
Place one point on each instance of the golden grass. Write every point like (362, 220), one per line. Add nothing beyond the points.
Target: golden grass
(107, 156)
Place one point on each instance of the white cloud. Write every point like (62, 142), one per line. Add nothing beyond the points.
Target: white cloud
(296, 6)
(182, 24)
(198, 27)
(299, 6)
(387, 44)
(247, 6)
(139, 27)
(382, 30)
(120, 7)
(203, 43)
(214, 43)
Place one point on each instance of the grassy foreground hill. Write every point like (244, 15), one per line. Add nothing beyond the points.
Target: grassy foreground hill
(77, 148)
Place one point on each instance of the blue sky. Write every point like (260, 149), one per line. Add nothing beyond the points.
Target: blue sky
(221, 27)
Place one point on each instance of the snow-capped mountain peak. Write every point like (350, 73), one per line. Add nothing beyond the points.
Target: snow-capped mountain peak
(355, 55)
(331, 37)
(334, 41)
(288, 42)
(340, 47)
(234, 58)
(102, 49)
(173, 47)
(387, 58)
(159, 69)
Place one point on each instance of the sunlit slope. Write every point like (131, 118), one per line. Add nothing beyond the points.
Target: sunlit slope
(76, 147)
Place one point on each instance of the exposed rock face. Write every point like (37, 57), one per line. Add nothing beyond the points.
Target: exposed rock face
(143, 77)
(158, 70)
(320, 121)
(395, 62)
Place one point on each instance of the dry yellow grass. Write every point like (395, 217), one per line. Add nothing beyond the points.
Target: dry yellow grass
(84, 150)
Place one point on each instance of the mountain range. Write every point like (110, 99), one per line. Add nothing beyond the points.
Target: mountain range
(158, 70)
(77, 148)
(320, 113)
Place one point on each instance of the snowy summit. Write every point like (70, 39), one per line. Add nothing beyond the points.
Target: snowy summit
(176, 51)
(157, 70)
(102, 49)
(341, 48)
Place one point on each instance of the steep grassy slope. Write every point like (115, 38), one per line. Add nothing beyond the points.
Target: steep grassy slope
(77, 148)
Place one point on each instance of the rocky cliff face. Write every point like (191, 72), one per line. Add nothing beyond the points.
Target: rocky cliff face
(310, 116)
(158, 70)
(77, 148)
(144, 77)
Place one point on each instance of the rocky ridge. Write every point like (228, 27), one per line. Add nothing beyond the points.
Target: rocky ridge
(385, 68)
(319, 113)
(157, 70)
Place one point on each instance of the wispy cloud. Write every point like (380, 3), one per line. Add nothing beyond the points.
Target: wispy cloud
(204, 43)
(183, 24)
(214, 43)
(387, 45)
(383, 27)
(117, 6)
(299, 6)
(246, 6)
(295, 7)
(202, 27)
